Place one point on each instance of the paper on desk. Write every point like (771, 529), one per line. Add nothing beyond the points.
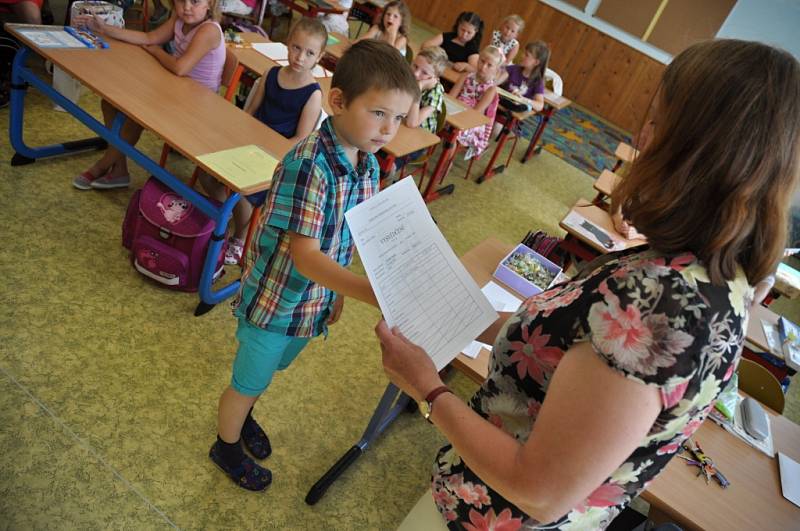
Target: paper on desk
(246, 166)
(453, 106)
(502, 300)
(575, 220)
(274, 50)
(421, 287)
(332, 40)
(474, 349)
(790, 478)
(51, 38)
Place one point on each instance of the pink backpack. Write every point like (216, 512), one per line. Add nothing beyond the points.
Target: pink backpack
(168, 237)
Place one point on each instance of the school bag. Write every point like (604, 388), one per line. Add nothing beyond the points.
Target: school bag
(168, 237)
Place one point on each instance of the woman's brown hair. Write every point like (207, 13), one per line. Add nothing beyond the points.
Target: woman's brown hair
(718, 176)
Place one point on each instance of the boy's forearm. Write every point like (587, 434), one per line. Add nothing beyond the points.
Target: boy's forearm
(320, 268)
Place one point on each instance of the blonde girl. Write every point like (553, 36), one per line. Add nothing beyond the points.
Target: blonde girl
(477, 89)
(506, 37)
(199, 54)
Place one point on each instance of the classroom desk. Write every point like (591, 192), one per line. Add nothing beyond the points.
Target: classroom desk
(753, 501)
(337, 50)
(133, 81)
(454, 124)
(587, 249)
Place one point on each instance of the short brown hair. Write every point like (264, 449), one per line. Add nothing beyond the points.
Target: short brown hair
(437, 57)
(405, 14)
(312, 26)
(373, 64)
(718, 175)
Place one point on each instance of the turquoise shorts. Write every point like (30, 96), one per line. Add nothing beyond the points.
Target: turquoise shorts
(260, 354)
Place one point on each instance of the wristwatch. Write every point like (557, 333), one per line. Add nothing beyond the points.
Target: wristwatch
(426, 406)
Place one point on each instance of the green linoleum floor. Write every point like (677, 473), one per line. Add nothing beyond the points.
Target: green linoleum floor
(130, 379)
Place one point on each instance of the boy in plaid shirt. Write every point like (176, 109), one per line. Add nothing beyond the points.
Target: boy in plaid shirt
(294, 280)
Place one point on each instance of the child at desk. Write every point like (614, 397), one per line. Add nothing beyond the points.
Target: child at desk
(525, 80)
(428, 65)
(199, 54)
(392, 27)
(463, 43)
(505, 39)
(294, 280)
(288, 100)
(477, 90)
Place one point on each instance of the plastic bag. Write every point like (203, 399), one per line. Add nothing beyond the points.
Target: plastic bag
(729, 398)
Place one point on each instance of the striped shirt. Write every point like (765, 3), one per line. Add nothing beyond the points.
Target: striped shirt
(313, 187)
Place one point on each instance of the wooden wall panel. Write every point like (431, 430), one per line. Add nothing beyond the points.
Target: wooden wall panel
(600, 73)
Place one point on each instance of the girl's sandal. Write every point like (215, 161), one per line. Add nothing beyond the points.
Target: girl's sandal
(247, 475)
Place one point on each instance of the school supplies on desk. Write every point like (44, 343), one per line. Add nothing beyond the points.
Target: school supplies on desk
(590, 231)
(54, 37)
(332, 40)
(88, 38)
(248, 167)
(790, 342)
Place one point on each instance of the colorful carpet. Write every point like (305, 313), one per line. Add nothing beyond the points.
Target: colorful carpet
(580, 138)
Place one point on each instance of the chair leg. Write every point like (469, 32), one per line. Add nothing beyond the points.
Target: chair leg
(164, 153)
(469, 167)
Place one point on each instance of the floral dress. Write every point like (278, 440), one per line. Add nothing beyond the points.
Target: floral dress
(477, 138)
(505, 47)
(655, 319)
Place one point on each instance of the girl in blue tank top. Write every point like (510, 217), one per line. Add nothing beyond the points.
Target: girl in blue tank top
(288, 100)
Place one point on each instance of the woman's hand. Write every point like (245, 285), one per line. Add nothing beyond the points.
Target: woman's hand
(89, 21)
(407, 365)
(338, 304)
(460, 67)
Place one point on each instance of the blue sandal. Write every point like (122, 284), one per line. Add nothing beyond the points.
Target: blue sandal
(247, 475)
(255, 440)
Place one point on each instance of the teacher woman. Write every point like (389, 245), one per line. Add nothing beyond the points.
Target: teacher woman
(594, 384)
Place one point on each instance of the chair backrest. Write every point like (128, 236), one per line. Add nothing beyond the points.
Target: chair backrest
(553, 82)
(230, 74)
(252, 93)
(759, 383)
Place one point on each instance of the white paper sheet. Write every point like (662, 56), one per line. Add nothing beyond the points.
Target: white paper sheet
(55, 38)
(502, 300)
(421, 286)
(790, 478)
(474, 348)
(274, 50)
(773, 338)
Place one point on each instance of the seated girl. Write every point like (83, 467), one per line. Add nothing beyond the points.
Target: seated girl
(477, 89)
(288, 100)
(393, 26)
(463, 43)
(199, 53)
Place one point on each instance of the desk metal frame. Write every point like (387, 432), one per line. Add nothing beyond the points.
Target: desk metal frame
(22, 77)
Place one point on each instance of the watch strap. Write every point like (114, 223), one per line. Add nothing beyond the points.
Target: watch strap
(433, 395)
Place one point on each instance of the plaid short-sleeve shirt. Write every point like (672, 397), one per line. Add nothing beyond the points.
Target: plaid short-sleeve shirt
(313, 187)
(432, 98)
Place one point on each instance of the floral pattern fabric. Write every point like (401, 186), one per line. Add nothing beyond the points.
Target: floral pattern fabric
(655, 319)
(476, 139)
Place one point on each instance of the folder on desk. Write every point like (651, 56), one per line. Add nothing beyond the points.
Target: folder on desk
(246, 168)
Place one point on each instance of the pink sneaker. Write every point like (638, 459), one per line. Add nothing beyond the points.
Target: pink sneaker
(107, 182)
(233, 254)
(84, 181)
